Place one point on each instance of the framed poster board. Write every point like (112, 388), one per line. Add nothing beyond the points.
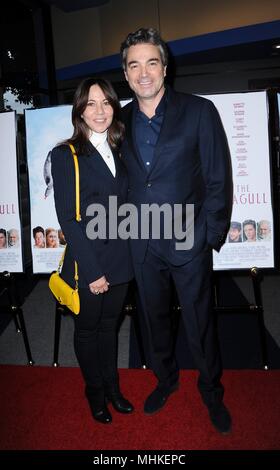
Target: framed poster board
(45, 128)
(10, 224)
(250, 239)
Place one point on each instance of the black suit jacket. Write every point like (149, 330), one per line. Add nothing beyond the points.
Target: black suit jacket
(191, 165)
(95, 258)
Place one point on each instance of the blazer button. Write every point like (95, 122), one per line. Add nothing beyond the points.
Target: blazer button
(149, 185)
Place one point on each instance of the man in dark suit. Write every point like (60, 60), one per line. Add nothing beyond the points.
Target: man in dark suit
(176, 152)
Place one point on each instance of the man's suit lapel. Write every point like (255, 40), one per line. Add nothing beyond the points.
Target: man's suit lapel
(131, 137)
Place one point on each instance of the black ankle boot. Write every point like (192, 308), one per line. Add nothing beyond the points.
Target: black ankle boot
(96, 400)
(121, 404)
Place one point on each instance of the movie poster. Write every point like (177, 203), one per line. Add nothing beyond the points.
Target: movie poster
(250, 238)
(10, 225)
(45, 128)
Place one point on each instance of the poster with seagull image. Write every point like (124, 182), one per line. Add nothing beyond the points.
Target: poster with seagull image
(45, 128)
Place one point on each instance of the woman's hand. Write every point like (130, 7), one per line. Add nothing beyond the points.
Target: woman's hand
(99, 286)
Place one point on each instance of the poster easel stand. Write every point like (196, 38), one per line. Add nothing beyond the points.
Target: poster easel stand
(59, 310)
(15, 310)
(130, 309)
(257, 308)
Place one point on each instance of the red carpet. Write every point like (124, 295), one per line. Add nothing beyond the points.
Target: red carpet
(45, 408)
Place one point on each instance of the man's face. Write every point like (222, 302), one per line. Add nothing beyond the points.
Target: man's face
(250, 232)
(144, 71)
(2, 240)
(234, 234)
(264, 230)
(39, 240)
(13, 238)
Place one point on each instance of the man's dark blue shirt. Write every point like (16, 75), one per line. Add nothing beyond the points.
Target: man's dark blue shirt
(147, 131)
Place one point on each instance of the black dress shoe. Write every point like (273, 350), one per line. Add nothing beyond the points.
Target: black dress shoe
(220, 418)
(121, 404)
(98, 406)
(101, 415)
(157, 399)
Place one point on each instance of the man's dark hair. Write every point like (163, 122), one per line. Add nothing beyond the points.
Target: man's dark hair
(249, 222)
(144, 36)
(38, 229)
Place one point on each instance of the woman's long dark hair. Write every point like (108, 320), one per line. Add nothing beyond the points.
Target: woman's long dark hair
(80, 135)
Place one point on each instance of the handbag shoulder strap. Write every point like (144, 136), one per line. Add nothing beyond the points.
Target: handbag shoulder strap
(78, 212)
(77, 182)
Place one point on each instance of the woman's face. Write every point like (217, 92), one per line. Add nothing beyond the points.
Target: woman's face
(61, 237)
(52, 239)
(39, 240)
(2, 241)
(98, 114)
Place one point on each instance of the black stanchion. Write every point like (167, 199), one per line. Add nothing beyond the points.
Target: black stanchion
(14, 308)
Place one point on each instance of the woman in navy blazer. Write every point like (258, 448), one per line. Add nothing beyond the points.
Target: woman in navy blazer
(104, 265)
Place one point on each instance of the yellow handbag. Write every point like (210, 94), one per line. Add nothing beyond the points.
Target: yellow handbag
(65, 294)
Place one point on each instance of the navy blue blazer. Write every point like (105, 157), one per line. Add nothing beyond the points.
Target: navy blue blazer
(95, 258)
(191, 165)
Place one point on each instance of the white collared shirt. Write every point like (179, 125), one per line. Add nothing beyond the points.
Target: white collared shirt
(100, 142)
